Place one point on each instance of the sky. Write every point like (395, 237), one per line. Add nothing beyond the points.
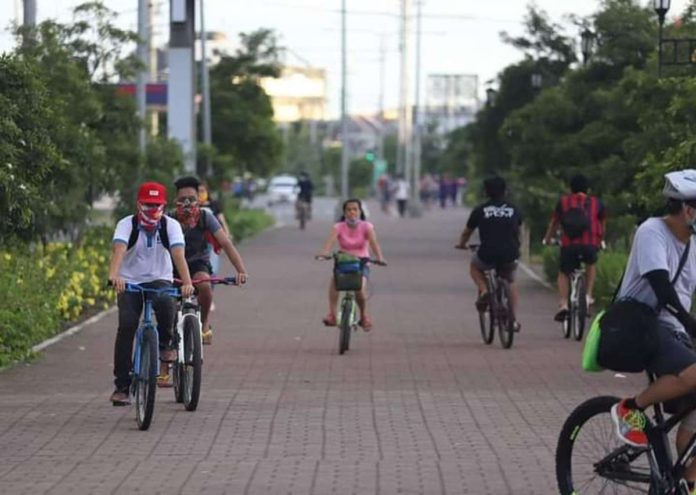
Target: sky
(458, 36)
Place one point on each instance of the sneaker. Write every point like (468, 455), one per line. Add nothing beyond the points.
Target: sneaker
(562, 315)
(329, 320)
(516, 327)
(207, 336)
(630, 424)
(366, 323)
(482, 301)
(120, 398)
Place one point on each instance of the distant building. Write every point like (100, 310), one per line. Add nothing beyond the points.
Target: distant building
(298, 94)
(451, 101)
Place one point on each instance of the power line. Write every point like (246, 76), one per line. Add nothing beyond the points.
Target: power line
(449, 16)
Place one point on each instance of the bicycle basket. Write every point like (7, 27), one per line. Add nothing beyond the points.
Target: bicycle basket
(348, 272)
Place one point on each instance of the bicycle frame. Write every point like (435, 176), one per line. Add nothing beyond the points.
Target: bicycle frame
(145, 326)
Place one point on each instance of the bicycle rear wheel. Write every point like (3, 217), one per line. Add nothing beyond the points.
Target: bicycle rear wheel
(567, 324)
(192, 369)
(504, 316)
(146, 380)
(591, 459)
(345, 326)
(580, 312)
(302, 213)
(486, 323)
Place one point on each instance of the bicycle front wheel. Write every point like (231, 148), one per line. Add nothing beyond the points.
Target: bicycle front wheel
(146, 380)
(580, 310)
(192, 369)
(591, 459)
(345, 326)
(505, 317)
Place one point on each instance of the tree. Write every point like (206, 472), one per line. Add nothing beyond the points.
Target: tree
(27, 153)
(242, 117)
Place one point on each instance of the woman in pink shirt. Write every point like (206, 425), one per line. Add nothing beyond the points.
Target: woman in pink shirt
(355, 236)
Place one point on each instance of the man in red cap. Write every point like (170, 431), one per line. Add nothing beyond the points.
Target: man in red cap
(144, 246)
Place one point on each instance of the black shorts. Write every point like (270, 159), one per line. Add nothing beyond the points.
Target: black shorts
(571, 256)
(504, 270)
(675, 354)
(196, 267)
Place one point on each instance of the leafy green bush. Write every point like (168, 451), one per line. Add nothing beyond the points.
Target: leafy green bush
(610, 267)
(609, 270)
(245, 223)
(44, 288)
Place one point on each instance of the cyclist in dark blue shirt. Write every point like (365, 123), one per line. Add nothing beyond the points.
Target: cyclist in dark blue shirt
(304, 194)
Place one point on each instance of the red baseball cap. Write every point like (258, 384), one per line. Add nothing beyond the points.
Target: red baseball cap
(152, 192)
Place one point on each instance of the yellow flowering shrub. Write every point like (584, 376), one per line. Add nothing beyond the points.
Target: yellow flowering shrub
(45, 289)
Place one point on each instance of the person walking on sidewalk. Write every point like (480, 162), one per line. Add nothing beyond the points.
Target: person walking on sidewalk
(403, 190)
(498, 222)
(355, 236)
(143, 248)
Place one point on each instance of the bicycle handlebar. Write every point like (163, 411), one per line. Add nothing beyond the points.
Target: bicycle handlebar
(212, 280)
(170, 291)
(374, 261)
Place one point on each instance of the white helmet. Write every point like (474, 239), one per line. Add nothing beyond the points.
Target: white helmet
(680, 185)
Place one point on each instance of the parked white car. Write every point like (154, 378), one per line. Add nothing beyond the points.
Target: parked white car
(282, 188)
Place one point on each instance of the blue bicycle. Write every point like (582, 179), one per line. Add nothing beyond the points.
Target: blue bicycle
(146, 356)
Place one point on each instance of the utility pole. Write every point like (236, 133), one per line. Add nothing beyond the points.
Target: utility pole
(30, 13)
(344, 116)
(404, 150)
(181, 117)
(415, 185)
(143, 73)
(207, 130)
(29, 22)
(152, 49)
(382, 78)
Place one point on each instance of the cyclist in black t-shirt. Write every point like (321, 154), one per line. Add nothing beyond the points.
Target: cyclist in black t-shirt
(498, 222)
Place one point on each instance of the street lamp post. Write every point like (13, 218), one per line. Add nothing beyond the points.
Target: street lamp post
(661, 8)
(587, 39)
(490, 96)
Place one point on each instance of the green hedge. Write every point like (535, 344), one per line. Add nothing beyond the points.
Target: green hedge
(245, 223)
(45, 288)
(610, 267)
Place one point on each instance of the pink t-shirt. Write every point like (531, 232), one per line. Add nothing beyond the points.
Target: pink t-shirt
(354, 240)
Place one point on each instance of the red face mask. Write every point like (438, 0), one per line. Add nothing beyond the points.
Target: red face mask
(188, 211)
(149, 215)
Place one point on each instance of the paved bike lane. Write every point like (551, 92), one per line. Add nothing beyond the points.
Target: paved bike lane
(418, 405)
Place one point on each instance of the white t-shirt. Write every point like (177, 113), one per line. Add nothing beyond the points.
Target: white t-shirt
(402, 189)
(656, 248)
(148, 260)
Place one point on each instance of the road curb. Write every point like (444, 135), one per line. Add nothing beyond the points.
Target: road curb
(534, 276)
(72, 330)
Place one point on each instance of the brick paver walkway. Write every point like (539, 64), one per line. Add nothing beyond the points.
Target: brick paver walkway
(419, 405)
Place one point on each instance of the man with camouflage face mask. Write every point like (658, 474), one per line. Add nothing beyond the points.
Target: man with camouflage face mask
(200, 228)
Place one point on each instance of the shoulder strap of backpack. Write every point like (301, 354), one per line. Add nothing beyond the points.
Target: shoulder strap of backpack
(164, 236)
(682, 260)
(135, 230)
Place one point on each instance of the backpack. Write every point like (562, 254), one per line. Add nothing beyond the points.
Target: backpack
(575, 221)
(135, 231)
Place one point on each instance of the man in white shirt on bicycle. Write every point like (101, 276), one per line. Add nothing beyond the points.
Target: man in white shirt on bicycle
(143, 248)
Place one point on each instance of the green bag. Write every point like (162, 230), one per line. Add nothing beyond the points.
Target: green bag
(591, 349)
